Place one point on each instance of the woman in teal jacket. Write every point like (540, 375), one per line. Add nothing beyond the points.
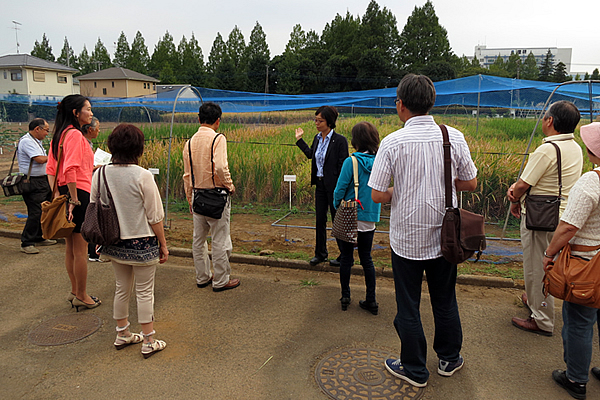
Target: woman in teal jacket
(365, 139)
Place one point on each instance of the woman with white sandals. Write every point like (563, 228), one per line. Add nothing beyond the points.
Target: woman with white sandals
(143, 245)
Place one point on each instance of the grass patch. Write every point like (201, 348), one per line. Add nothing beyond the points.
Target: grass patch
(309, 283)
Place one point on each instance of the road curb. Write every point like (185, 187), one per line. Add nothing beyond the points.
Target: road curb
(472, 280)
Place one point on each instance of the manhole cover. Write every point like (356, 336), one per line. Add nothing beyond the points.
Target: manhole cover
(360, 374)
(64, 329)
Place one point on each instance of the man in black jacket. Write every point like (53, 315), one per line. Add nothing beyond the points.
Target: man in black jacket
(328, 152)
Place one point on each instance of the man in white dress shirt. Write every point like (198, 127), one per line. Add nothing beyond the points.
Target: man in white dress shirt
(413, 158)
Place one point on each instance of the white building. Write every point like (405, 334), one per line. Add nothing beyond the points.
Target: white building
(487, 56)
(29, 75)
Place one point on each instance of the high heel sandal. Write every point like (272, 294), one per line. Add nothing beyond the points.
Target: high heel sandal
(70, 298)
(124, 341)
(153, 347)
(79, 303)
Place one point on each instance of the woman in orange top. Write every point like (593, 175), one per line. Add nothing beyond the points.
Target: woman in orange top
(75, 179)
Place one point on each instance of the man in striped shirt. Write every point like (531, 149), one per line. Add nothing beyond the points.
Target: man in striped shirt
(413, 158)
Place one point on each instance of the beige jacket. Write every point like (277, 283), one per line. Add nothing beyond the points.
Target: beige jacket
(203, 173)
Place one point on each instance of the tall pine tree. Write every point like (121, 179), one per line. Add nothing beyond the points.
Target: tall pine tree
(218, 53)
(258, 56)
(67, 55)
(122, 52)
(547, 68)
(100, 57)
(138, 56)
(164, 57)
(43, 50)
(192, 62)
(530, 68)
(423, 40)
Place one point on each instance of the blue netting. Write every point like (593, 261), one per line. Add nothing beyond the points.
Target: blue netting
(487, 91)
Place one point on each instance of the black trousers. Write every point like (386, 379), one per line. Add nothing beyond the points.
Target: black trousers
(323, 201)
(40, 192)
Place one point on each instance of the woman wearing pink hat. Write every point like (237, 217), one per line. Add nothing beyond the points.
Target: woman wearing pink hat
(580, 226)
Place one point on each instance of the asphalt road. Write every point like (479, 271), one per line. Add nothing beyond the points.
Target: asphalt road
(262, 340)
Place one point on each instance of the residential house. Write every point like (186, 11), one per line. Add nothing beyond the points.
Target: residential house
(117, 82)
(29, 75)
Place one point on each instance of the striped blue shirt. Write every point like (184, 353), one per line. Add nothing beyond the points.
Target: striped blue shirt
(322, 151)
(413, 157)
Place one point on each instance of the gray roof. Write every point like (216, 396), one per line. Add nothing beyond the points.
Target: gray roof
(26, 60)
(117, 73)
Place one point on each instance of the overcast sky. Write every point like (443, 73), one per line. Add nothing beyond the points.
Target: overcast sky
(508, 23)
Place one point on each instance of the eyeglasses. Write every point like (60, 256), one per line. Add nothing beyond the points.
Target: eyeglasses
(45, 129)
(318, 120)
(396, 101)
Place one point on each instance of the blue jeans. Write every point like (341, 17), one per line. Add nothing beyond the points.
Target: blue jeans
(577, 334)
(364, 243)
(441, 280)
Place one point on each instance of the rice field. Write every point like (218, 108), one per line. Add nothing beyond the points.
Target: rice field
(260, 155)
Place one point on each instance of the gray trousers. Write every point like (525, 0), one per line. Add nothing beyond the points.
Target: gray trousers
(221, 248)
(534, 244)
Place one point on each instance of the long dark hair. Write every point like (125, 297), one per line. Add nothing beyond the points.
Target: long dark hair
(66, 117)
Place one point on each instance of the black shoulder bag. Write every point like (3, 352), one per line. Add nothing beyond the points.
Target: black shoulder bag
(18, 183)
(541, 211)
(208, 202)
(101, 223)
(463, 232)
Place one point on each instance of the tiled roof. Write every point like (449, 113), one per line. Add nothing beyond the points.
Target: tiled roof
(117, 73)
(26, 60)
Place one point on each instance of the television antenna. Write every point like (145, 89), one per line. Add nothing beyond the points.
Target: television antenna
(16, 28)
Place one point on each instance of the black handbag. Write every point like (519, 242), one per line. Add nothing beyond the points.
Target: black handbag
(542, 211)
(101, 224)
(463, 232)
(208, 202)
(17, 183)
(345, 223)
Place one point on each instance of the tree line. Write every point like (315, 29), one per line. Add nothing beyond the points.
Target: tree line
(351, 53)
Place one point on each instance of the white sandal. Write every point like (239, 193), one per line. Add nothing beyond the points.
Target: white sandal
(152, 347)
(124, 341)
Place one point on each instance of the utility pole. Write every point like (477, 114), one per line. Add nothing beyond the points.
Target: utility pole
(16, 28)
(267, 79)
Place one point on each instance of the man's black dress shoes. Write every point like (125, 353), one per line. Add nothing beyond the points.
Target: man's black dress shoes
(315, 260)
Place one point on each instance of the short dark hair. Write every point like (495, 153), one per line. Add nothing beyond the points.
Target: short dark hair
(365, 137)
(417, 93)
(36, 122)
(209, 113)
(126, 143)
(565, 116)
(86, 128)
(329, 113)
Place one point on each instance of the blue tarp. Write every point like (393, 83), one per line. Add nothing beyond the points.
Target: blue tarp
(487, 91)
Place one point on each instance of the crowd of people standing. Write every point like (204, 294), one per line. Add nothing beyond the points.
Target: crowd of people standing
(405, 169)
